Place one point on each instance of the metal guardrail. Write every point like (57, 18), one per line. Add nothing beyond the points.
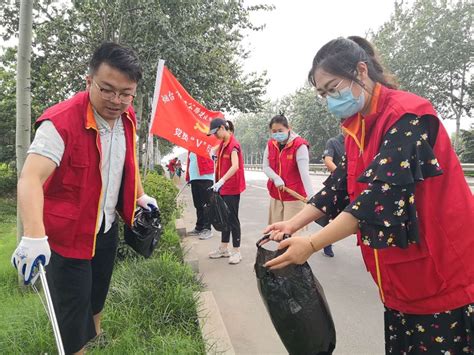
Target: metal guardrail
(315, 168)
(468, 167)
(321, 168)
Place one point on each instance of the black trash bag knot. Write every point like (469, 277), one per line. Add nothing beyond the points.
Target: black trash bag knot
(145, 232)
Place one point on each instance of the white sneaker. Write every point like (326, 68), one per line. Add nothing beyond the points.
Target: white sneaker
(235, 258)
(219, 253)
(205, 234)
(194, 232)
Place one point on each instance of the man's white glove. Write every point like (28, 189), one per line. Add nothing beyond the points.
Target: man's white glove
(217, 186)
(28, 254)
(147, 202)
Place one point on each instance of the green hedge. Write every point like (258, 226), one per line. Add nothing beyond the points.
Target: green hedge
(165, 192)
(8, 180)
(151, 308)
(160, 170)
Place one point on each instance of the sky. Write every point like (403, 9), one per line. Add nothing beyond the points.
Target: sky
(296, 29)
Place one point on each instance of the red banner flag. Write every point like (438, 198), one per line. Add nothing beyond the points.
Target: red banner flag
(182, 120)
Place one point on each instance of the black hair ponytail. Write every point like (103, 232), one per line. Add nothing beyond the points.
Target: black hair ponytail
(341, 56)
(229, 126)
(379, 74)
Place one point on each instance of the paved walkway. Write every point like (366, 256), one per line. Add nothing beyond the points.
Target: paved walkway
(351, 293)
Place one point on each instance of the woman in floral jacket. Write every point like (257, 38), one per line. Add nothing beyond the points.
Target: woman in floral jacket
(402, 190)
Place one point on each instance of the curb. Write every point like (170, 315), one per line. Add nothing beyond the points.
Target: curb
(190, 256)
(212, 325)
(213, 329)
(180, 227)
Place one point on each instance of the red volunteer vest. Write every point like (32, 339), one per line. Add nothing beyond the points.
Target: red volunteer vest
(72, 192)
(204, 165)
(236, 184)
(436, 274)
(171, 166)
(284, 164)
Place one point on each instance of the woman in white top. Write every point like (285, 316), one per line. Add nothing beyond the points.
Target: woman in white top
(286, 163)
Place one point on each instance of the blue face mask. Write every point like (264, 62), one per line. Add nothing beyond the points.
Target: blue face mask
(280, 136)
(346, 104)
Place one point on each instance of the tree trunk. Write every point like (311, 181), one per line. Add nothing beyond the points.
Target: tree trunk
(23, 93)
(456, 134)
(460, 108)
(157, 153)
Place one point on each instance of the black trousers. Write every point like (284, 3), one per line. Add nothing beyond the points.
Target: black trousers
(79, 288)
(201, 194)
(232, 202)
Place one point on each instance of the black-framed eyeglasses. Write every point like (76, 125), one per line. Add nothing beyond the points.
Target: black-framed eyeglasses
(110, 95)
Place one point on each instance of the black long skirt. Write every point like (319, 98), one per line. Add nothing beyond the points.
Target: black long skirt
(446, 333)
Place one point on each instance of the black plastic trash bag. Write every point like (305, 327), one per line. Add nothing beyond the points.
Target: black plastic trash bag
(296, 304)
(145, 233)
(219, 214)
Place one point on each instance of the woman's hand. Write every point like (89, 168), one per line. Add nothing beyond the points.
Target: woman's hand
(299, 250)
(278, 230)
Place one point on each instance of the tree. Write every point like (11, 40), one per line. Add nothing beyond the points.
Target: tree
(310, 118)
(429, 48)
(23, 94)
(307, 116)
(467, 146)
(200, 41)
(252, 131)
(7, 115)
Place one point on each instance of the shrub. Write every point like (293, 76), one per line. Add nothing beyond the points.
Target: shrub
(165, 193)
(7, 180)
(160, 170)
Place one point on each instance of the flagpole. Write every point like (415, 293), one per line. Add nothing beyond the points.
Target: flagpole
(149, 148)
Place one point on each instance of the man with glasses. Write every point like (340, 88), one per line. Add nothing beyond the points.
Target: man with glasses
(81, 169)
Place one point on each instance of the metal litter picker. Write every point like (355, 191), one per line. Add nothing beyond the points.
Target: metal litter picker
(49, 307)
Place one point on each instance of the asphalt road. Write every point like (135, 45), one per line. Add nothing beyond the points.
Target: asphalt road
(351, 293)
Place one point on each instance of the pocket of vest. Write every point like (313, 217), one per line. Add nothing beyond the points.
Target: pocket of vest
(60, 220)
(414, 279)
(75, 175)
(80, 156)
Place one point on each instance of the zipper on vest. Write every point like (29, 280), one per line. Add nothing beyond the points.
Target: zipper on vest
(137, 172)
(279, 173)
(101, 188)
(379, 278)
(219, 159)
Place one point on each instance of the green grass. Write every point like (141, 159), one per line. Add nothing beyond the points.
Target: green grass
(151, 307)
(7, 232)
